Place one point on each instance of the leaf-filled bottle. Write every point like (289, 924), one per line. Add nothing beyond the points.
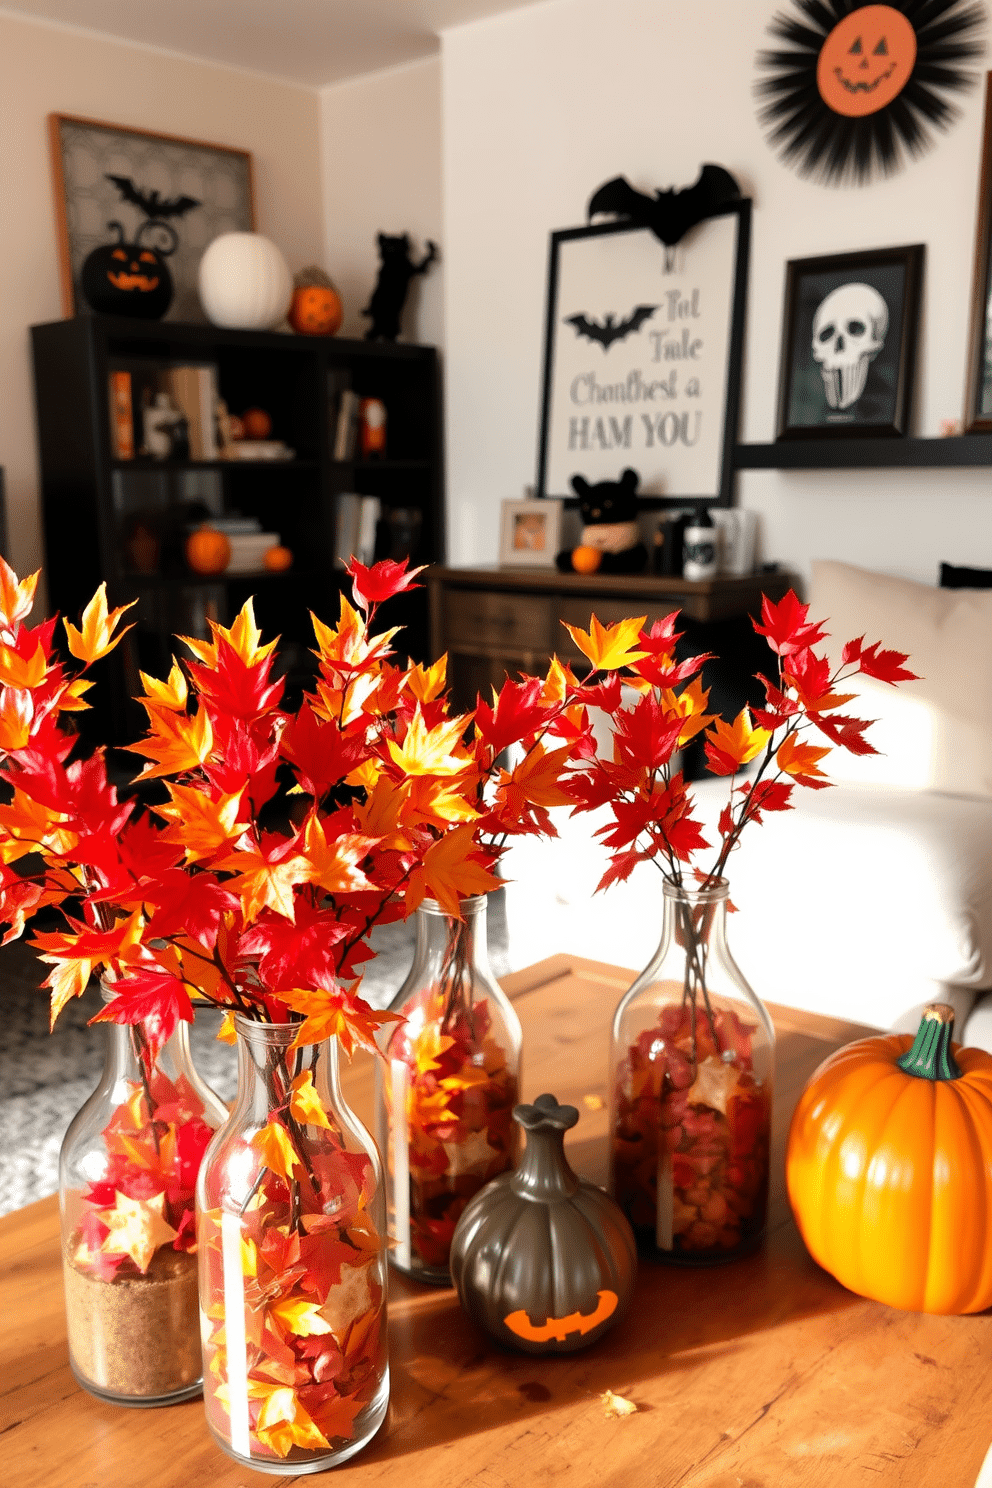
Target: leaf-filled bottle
(127, 1174)
(291, 1231)
(692, 1063)
(446, 1087)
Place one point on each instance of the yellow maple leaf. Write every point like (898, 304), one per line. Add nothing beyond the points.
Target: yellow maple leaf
(263, 884)
(16, 596)
(96, 637)
(427, 683)
(176, 742)
(334, 865)
(21, 671)
(435, 751)
(439, 802)
(300, 1317)
(198, 823)
(449, 873)
(172, 693)
(71, 696)
(227, 1033)
(305, 1103)
(381, 815)
(244, 637)
(609, 647)
(617, 1406)
(691, 704)
(276, 1150)
(738, 742)
(800, 760)
(428, 1046)
(137, 1228)
(16, 717)
(283, 1422)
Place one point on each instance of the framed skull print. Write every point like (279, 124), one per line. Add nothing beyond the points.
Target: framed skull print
(849, 344)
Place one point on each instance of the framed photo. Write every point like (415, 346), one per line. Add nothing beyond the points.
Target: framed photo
(849, 344)
(642, 358)
(106, 173)
(530, 534)
(978, 388)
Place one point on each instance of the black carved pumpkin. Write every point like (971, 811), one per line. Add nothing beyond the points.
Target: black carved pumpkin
(544, 1261)
(127, 278)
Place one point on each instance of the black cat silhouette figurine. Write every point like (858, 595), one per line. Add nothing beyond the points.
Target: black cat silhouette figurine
(396, 269)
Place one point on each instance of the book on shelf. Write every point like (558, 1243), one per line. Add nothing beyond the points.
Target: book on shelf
(194, 392)
(346, 430)
(368, 526)
(248, 550)
(121, 416)
(348, 520)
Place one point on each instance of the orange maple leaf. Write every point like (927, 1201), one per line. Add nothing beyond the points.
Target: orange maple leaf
(275, 1147)
(338, 1014)
(244, 637)
(334, 865)
(427, 683)
(199, 823)
(96, 638)
(800, 760)
(16, 596)
(305, 1103)
(283, 1423)
(537, 776)
(263, 882)
(731, 745)
(176, 741)
(16, 716)
(22, 671)
(609, 647)
(450, 872)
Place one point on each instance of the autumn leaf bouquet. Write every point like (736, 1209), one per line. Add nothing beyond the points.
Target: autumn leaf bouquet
(692, 1048)
(449, 1079)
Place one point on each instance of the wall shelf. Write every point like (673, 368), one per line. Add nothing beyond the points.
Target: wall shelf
(854, 454)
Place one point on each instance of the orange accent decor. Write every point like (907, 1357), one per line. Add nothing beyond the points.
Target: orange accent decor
(586, 560)
(207, 550)
(316, 310)
(866, 61)
(277, 560)
(576, 1322)
(889, 1172)
(257, 423)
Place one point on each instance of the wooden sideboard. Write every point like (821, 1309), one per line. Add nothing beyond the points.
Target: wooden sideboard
(494, 621)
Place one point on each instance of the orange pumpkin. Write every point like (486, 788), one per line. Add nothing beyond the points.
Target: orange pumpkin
(278, 559)
(889, 1169)
(316, 310)
(257, 423)
(207, 550)
(585, 559)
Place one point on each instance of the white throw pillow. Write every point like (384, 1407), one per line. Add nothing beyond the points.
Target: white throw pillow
(935, 733)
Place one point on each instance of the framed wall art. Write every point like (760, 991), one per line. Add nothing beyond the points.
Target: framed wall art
(849, 344)
(642, 358)
(179, 194)
(530, 534)
(978, 388)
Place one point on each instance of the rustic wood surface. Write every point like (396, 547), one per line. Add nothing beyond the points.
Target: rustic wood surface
(760, 1374)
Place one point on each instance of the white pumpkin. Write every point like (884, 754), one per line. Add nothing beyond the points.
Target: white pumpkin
(245, 283)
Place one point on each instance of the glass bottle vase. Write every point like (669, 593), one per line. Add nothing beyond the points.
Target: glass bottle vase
(446, 1087)
(291, 1225)
(127, 1174)
(692, 1060)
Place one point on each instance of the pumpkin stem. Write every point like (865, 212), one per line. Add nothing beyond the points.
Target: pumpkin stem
(931, 1058)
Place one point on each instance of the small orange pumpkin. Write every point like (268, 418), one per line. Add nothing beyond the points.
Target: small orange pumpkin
(889, 1169)
(586, 559)
(207, 550)
(316, 310)
(257, 424)
(278, 559)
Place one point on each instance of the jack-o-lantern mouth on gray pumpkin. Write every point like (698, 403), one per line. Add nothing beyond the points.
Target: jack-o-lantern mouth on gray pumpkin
(853, 87)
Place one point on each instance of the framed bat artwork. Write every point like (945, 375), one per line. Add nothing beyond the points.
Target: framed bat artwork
(119, 187)
(642, 355)
(849, 344)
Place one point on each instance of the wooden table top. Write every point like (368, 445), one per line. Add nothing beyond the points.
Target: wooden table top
(760, 1374)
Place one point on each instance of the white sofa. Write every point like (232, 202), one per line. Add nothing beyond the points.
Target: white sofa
(869, 899)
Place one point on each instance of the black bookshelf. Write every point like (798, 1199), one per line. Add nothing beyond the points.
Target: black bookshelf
(853, 454)
(92, 500)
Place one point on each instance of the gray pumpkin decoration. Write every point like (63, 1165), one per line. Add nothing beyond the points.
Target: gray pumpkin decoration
(544, 1261)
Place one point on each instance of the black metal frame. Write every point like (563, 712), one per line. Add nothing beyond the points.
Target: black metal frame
(911, 256)
(723, 496)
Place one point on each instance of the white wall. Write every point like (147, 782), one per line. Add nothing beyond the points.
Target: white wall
(381, 171)
(542, 105)
(49, 69)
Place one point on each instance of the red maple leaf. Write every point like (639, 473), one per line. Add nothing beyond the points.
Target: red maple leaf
(647, 735)
(518, 713)
(235, 687)
(320, 753)
(786, 627)
(887, 666)
(622, 867)
(153, 998)
(182, 901)
(372, 586)
(765, 795)
(847, 732)
(299, 954)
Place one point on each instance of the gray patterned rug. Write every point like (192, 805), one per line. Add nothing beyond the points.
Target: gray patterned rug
(45, 1078)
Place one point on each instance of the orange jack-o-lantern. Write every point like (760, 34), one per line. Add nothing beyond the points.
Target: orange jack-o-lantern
(866, 61)
(316, 310)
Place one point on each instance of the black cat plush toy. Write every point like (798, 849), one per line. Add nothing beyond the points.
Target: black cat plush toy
(610, 542)
(396, 269)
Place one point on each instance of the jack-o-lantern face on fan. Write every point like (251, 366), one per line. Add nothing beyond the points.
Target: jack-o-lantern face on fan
(866, 61)
(128, 278)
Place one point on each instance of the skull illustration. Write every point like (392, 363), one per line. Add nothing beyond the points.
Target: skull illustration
(848, 333)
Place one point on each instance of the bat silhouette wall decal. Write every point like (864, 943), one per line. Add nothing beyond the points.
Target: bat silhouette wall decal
(153, 205)
(609, 329)
(668, 214)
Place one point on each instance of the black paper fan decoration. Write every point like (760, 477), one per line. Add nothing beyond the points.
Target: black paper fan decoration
(854, 87)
